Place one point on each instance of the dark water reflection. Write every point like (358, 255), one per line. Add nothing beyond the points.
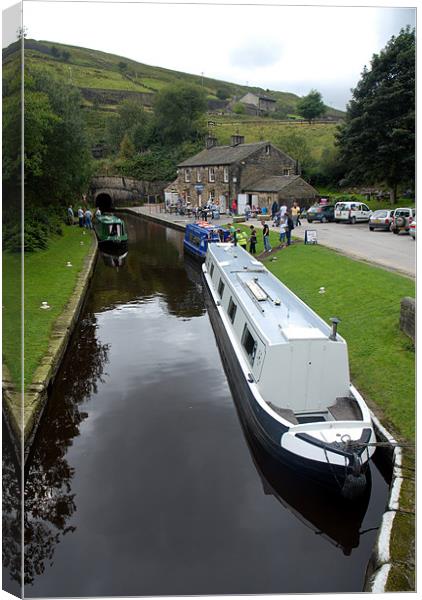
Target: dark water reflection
(142, 481)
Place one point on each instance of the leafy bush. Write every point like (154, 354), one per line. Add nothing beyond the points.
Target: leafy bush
(239, 108)
(39, 226)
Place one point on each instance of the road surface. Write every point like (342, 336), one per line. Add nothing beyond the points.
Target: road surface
(395, 252)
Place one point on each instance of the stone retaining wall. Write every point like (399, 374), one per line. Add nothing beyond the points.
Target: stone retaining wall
(407, 316)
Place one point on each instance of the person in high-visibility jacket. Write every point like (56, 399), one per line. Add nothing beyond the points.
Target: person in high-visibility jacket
(242, 239)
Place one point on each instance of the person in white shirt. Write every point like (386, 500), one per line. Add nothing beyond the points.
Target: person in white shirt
(283, 210)
(283, 227)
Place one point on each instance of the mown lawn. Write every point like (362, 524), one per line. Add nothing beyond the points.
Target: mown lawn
(367, 300)
(46, 279)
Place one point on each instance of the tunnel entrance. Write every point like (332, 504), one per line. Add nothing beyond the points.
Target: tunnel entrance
(104, 202)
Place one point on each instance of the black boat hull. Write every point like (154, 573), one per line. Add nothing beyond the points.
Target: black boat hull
(261, 426)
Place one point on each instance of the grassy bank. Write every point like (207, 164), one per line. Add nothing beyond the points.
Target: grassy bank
(46, 279)
(367, 300)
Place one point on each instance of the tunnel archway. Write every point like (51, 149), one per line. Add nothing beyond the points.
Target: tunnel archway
(104, 202)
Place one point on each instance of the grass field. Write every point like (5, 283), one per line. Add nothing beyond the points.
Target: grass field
(367, 300)
(46, 279)
(318, 137)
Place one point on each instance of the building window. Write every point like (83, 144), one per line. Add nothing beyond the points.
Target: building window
(286, 171)
(232, 310)
(187, 175)
(249, 344)
(226, 175)
(211, 174)
(221, 288)
(268, 150)
(212, 270)
(198, 175)
(211, 196)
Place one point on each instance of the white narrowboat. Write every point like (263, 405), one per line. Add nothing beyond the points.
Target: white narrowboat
(291, 371)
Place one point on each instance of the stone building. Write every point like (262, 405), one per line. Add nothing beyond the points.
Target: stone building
(222, 173)
(284, 189)
(258, 103)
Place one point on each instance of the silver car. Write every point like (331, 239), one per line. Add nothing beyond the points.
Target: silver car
(381, 219)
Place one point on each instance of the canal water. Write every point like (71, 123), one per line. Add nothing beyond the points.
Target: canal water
(142, 480)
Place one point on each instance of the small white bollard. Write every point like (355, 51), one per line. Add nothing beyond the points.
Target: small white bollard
(82, 243)
(68, 264)
(44, 305)
(321, 290)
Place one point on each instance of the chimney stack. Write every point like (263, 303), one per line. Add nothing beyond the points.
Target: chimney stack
(210, 141)
(237, 139)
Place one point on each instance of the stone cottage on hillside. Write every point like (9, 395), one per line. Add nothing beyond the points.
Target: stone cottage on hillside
(258, 104)
(255, 173)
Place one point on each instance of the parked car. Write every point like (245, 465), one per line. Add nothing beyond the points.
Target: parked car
(351, 212)
(402, 219)
(322, 213)
(412, 229)
(381, 219)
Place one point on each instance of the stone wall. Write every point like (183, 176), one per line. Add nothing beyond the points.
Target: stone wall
(261, 164)
(407, 316)
(217, 188)
(126, 190)
(116, 96)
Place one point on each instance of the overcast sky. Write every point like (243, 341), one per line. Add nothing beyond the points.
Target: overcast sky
(287, 48)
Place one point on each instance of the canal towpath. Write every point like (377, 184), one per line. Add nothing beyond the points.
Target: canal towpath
(23, 407)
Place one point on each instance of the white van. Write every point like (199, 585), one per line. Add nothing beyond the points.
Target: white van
(351, 212)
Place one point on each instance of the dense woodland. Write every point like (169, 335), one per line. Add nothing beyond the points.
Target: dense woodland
(373, 145)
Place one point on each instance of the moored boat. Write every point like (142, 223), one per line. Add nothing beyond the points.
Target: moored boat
(199, 235)
(291, 370)
(111, 231)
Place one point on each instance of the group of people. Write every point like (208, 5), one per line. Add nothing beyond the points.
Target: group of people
(84, 216)
(279, 212)
(239, 237)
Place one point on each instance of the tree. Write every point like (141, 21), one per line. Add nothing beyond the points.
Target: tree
(133, 121)
(377, 140)
(223, 93)
(311, 106)
(66, 55)
(179, 113)
(127, 148)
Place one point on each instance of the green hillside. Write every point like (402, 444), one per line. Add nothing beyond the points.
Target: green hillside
(105, 80)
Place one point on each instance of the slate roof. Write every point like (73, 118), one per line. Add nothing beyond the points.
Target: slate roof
(273, 183)
(222, 155)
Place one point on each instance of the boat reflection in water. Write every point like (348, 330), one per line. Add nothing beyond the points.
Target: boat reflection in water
(115, 260)
(333, 518)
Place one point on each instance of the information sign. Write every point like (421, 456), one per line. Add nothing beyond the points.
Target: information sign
(199, 188)
(311, 236)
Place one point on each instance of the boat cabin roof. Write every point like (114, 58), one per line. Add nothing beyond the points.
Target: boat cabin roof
(278, 313)
(204, 227)
(109, 219)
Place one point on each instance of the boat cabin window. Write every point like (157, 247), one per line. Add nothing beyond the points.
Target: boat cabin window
(114, 229)
(194, 239)
(232, 310)
(211, 270)
(249, 344)
(221, 288)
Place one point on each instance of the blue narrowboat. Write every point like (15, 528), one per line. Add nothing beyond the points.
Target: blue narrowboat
(199, 235)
